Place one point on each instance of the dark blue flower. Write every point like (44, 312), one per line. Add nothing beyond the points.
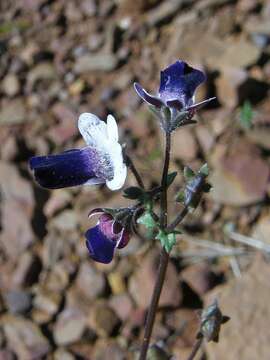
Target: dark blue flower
(178, 83)
(105, 237)
(100, 162)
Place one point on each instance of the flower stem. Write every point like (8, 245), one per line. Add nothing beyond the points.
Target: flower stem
(135, 172)
(195, 348)
(164, 256)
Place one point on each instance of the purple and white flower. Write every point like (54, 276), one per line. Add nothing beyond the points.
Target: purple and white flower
(175, 102)
(101, 161)
(106, 236)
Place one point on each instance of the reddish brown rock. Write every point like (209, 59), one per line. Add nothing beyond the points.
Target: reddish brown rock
(145, 275)
(244, 300)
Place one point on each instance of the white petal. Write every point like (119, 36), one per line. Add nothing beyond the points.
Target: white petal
(93, 130)
(112, 129)
(119, 168)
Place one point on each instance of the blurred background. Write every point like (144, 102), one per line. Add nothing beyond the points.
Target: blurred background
(61, 58)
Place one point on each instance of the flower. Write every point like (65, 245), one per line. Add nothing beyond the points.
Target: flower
(175, 102)
(108, 234)
(101, 161)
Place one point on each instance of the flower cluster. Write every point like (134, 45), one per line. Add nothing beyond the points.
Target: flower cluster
(101, 161)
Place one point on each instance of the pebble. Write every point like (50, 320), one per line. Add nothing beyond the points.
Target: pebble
(69, 326)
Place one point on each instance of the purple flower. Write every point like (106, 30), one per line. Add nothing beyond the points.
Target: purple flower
(175, 102)
(106, 236)
(101, 161)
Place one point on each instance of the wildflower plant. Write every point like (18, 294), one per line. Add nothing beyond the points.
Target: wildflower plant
(104, 161)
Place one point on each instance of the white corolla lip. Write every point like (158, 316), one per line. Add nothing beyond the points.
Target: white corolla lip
(104, 138)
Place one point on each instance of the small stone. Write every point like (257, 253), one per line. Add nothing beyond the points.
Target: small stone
(11, 85)
(17, 301)
(199, 277)
(108, 350)
(66, 221)
(171, 294)
(103, 319)
(116, 282)
(13, 112)
(122, 306)
(47, 301)
(42, 71)
(62, 354)
(95, 62)
(228, 86)
(69, 326)
(89, 281)
(243, 299)
(185, 145)
(24, 337)
(247, 54)
(57, 201)
(241, 177)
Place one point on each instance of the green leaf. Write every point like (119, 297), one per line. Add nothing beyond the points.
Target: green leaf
(171, 177)
(246, 115)
(147, 220)
(180, 197)
(166, 240)
(204, 170)
(188, 173)
(133, 193)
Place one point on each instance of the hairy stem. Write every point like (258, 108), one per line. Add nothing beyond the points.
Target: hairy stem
(164, 256)
(195, 349)
(135, 172)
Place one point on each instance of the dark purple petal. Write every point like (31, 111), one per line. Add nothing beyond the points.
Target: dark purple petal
(150, 99)
(176, 104)
(100, 247)
(179, 81)
(124, 239)
(70, 168)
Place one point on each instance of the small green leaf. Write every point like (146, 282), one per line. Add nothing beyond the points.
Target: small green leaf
(133, 193)
(188, 173)
(204, 170)
(147, 220)
(180, 197)
(166, 240)
(246, 115)
(171, 177)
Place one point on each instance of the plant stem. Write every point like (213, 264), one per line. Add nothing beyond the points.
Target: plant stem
(164, 256)
(195, 349)
(136, 174)
(178, 219)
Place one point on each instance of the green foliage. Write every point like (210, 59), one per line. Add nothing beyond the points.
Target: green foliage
(246, 115)
(133, 193)
(204, 170)
(147, 220)
(166, 240)
(188, 173)
(171, 177)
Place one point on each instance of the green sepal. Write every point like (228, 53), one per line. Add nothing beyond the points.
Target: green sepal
(147, 220)
(133, 193)
(204, 170)
(180, 197)
(171, 177)
(166, 113)
(188, 173)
